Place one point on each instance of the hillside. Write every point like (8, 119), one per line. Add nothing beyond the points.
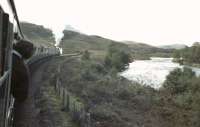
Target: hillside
(74, 41)
(173, 46)
(145, 48)
(78, 42)
(38, 34)
(144, 51)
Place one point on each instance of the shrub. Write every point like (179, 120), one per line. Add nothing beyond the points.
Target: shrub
(86, 55)
(178, 80)
(117, 59)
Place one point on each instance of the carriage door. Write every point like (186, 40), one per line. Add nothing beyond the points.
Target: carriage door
(5, 67)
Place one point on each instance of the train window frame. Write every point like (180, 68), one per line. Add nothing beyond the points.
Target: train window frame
(6, 41)
(1, 26)
(1, 70)
(8, 68)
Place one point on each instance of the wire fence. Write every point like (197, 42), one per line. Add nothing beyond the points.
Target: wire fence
(73, 106)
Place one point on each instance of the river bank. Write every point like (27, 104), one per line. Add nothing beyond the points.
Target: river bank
(195, 65)
(182, 62)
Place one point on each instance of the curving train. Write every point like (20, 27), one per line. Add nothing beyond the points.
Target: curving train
(9, 27)
(43, 52)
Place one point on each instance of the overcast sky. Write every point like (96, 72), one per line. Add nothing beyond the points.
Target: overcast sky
(156, 22)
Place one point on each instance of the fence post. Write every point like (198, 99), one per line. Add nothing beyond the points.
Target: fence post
(88, 120)
(61, 92)
(59, 69)
(68, 103)
(82, 118)
(63, 100)
(74, 108)
(56, 86)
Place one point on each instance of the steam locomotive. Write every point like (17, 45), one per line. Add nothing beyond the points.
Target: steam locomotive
(9, 28)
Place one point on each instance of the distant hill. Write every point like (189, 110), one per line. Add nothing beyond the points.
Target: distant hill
(74, 42)
(174, 46)
(144, 51)
(142, 47)
(38, 34)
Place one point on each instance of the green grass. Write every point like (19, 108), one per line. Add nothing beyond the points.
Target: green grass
(51, 104)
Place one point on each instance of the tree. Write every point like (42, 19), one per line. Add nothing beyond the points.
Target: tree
(189, 54)
(86, 55)
(117, 59)
(176, 54)
(177, 81)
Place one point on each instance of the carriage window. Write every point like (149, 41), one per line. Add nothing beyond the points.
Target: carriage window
(2, 88)
(4, 40)
(1, 22)
(4, 22)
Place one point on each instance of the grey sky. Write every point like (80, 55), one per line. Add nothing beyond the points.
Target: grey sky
(155, 22)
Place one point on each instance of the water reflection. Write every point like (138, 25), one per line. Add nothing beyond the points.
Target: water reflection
(152, 72)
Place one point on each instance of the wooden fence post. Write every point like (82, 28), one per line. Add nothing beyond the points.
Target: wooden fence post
(88, 120)
(68, 103)
(81, 118)
(56, 85)
(61, 92)
(64, 98)
(74, 108)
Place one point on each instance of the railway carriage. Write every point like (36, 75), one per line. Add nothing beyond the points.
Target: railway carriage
(9, 27)
(6, 40)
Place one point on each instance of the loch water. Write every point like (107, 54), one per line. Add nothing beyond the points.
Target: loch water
(152, 72)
